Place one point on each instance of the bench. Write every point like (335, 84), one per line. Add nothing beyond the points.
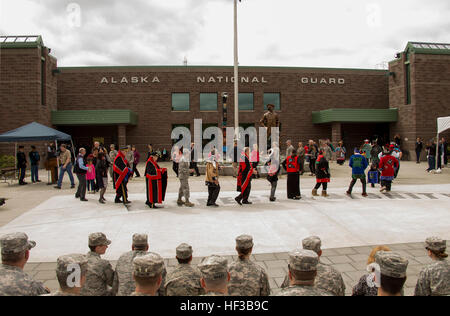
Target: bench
(8, 174)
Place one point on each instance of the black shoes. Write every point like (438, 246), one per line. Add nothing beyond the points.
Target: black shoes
(83, 200)
(247, 202)
(272, 199)
(212, 204)
(238, 200)
(57, 187)
(72, 186)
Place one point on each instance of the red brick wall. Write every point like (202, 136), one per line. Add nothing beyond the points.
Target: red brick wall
(80, 89)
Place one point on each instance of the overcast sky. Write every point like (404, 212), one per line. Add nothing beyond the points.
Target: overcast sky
(321, 33)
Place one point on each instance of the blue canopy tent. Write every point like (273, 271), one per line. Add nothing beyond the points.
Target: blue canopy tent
(34, 132)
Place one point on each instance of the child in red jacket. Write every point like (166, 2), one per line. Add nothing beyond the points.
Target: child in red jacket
(388, 164)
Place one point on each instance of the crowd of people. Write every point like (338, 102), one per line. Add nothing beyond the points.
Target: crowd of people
(139, 272)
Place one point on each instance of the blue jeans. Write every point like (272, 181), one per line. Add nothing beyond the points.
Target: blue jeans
(62, 170)
(34, 173)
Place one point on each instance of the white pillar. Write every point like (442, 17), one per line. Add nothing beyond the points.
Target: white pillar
(236, 75)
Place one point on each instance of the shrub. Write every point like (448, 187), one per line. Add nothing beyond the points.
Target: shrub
(6, 161)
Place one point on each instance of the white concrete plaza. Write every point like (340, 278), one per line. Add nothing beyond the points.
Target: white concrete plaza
(410, 214)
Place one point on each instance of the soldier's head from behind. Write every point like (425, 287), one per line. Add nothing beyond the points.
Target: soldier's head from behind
(140, 242)
(436, 248)
(215, 275)
(15, 249)
(98, 243)
(184, 253)
(302, 267)
(244, 246)
(392, 273)
(147, 273)
(71, 272)
(313, 243)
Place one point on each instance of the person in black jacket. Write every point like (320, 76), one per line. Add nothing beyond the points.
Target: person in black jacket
(419, 148)
(193, 163)
(21, 165)
(101, 175)
(444, 145)
(34, 161)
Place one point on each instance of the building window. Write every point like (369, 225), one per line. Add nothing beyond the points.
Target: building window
(245, 101)
(180, 101)
(272, 98)
(208, 101)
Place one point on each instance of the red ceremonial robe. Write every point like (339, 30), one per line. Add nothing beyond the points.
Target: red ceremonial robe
(245, 173)
(120, 169)
(156, 180)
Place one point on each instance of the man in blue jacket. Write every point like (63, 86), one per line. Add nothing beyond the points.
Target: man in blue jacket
(359, 164)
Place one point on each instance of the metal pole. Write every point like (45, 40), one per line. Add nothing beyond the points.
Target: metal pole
(236, 75)
(15, 161)
(56, 151)
(437, 151)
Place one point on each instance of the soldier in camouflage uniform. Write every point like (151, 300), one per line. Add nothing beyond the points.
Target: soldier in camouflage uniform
(392, 268)
(246, 277)
(100, 274)
(185, 279)
(15, 249)
(65, 266)
(328, 278)
(183, 175)
(147, 274)
(302, 272)
(123, 284)
(215, 275)
(434, 279)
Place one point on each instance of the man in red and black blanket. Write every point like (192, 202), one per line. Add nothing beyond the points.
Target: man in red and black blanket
(244, 178)
(121, 173)
(156, 180)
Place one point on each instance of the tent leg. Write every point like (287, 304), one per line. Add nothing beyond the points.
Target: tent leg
(15, 161)
(437, 150)
(73, 150)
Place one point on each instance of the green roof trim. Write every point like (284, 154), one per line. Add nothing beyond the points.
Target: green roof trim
(428, 48)
(355, 116)
(21, 41)
(94, 117)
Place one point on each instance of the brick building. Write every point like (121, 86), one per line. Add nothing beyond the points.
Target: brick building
(142, 104)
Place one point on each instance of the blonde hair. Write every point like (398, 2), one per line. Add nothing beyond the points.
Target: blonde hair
(374, 251)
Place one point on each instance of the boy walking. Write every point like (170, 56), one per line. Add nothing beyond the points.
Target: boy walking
(358, 163)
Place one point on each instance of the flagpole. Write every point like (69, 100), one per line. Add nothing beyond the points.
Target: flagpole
(236, 75)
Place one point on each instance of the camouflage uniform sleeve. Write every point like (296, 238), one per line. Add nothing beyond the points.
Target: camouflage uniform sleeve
(162, 289)
(39, 288)
(109, 273)
(340, 285)
(285, 282)
(115, 286)
(265, 286)
(422, 286)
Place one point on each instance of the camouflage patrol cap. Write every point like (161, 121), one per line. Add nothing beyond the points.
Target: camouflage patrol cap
(312, 243)
(140, 240)
(184, 251)
(391, 264)
(148, 266)
(63, 263)
(303, 260)
(15, 243)
(244, 241)
(436, 244)
(213, 267)
(98, 239)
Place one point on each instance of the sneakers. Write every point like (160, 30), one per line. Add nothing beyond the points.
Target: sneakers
(189, 204)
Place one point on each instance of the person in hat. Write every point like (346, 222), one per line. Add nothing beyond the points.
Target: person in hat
(185, 279)
(328, 278)
(246, 277)
(359, 164)
(156, 181)
(302, 274)
(122, 173)
(15, 251)
(100, 274)
(183, 175)
(434, 279)
(392, 273)
(388, 164)
(71, 274)
(322, 174)
(215, 275)
(147, 274)
(212, 179)
(124, 284)
(244, 179)
(292, 167)
(21, 165)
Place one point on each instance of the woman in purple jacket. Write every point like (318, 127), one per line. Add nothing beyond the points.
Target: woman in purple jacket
(137, 157)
